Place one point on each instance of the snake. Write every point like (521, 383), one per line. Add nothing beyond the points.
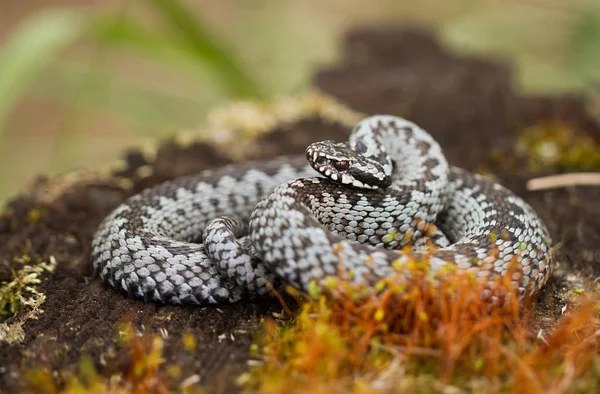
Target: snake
(359, 209)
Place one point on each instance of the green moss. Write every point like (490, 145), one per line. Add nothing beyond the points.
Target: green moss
(547, 147)
(35, 214)
(557, 146)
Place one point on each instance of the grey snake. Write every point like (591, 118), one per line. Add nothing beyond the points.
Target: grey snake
(225, 234)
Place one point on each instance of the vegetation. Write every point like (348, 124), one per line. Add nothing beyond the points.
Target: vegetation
(557, 147)
(179, 42)
(146, 371)
(433, 334)
(145, 73)
(110, 77)
(427, 338)
(20, 294)
(552, 146)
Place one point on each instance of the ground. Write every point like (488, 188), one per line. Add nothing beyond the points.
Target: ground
(468, 104)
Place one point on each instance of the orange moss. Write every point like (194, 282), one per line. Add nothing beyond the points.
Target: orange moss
(424, 337)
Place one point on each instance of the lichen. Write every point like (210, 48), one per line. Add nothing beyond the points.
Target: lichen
(13, 331)
(21, 296)
(21, 291)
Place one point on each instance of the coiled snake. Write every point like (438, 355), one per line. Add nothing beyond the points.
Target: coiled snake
(177, 242)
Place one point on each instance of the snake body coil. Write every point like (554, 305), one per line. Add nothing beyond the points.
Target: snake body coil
(178, 242)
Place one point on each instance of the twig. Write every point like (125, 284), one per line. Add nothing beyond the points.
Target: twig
(564, 180)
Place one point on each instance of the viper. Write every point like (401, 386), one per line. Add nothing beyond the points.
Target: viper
(360, 209)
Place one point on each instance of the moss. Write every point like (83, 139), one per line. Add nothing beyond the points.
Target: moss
(558, 146)
(189, 342)
(34, 215)
(13, 332)
(552, 146)
(425, 337)
(146, 371)
(6, 214)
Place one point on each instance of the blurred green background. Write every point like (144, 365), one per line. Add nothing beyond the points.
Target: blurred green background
(82, 80)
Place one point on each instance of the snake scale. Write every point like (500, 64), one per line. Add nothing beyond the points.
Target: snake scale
(222, 235)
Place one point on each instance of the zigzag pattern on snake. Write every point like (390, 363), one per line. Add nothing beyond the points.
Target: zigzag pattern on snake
(178, 242)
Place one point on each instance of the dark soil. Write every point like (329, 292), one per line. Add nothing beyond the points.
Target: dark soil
(468, 104)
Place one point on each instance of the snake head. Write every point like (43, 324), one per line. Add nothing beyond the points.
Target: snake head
(340, 163)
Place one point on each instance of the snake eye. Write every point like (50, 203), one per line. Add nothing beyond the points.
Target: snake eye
(341, 165)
